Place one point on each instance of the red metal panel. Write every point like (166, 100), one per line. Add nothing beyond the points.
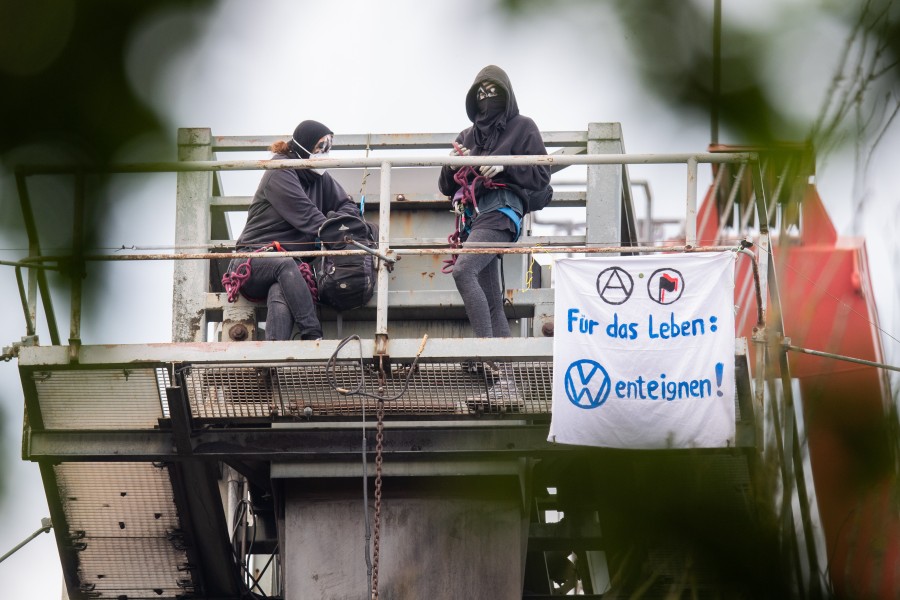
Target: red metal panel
(828, 306)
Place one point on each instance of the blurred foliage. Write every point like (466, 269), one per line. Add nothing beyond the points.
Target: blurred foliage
(672, 42)
(63, 74)
(67, 99)
(67, 96)
(672, 46)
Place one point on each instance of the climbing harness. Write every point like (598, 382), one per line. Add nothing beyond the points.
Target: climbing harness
(234, 280)
(466, 208)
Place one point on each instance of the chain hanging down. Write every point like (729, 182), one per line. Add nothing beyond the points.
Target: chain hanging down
(379, 435)
(379, 459)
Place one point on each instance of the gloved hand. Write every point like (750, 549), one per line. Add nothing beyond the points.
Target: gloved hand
(463, 151)
(490, 171)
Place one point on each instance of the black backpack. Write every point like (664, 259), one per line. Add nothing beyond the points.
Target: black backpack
(346, 282)
(537, 199)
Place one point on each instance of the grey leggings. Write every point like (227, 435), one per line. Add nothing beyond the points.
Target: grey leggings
(477, 278)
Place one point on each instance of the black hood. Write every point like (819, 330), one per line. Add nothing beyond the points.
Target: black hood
(307, 134)
(499, 110)
(498, 76)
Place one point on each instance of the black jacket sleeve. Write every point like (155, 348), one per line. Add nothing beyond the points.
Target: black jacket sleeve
(302, 212)
(527, 141)
(446, 183)
(336, 199)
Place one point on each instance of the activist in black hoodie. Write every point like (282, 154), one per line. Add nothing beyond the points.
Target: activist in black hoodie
(497, 129)
(288, 208)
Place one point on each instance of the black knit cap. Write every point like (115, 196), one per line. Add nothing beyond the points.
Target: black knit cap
(307, 134)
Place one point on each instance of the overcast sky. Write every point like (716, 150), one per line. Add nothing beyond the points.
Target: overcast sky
(395, 67)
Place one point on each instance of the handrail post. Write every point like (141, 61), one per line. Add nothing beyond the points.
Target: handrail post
(384, 236)
(690, 217)
(76, 268)
(37, 278)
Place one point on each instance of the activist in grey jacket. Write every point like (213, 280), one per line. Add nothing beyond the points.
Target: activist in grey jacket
(291, 204)
(288, 208)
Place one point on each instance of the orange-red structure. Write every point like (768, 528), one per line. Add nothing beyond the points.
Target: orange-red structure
(828, 306)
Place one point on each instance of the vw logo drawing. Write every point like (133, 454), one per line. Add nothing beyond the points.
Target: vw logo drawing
(587, 384)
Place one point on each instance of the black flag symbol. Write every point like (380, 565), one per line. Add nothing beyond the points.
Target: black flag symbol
(667, 284)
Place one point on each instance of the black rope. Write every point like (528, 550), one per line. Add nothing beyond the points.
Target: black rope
(360, 387)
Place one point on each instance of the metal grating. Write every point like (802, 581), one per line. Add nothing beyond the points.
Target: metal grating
(133, 568)
(98, 399)
(124, 524)
(163, 380)
(232, 391)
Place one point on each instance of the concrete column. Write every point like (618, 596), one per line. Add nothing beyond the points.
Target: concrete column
(604, 186)
(449, 537)
(192, 226)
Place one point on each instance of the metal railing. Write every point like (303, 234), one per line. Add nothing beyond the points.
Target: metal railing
(38, 262)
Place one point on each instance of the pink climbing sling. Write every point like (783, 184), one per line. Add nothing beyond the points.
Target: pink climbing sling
(466, 208)
(233, 281)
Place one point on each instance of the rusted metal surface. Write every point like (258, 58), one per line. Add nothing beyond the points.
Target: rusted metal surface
(192, 222)
(384, 141)
(238, 332)
(760, 314)
(549, 160)
(446, 349)
(398, 251)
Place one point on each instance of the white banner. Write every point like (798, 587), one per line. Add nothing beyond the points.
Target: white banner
(643, 351)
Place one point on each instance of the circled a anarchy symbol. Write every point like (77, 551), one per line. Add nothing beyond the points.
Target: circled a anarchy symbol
(615, 285)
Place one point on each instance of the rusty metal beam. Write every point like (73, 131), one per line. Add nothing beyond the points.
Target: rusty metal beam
(549, 160)
(282, 443)
(384, 141)
(398, 251)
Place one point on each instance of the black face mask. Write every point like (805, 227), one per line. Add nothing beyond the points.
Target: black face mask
(492, 105)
